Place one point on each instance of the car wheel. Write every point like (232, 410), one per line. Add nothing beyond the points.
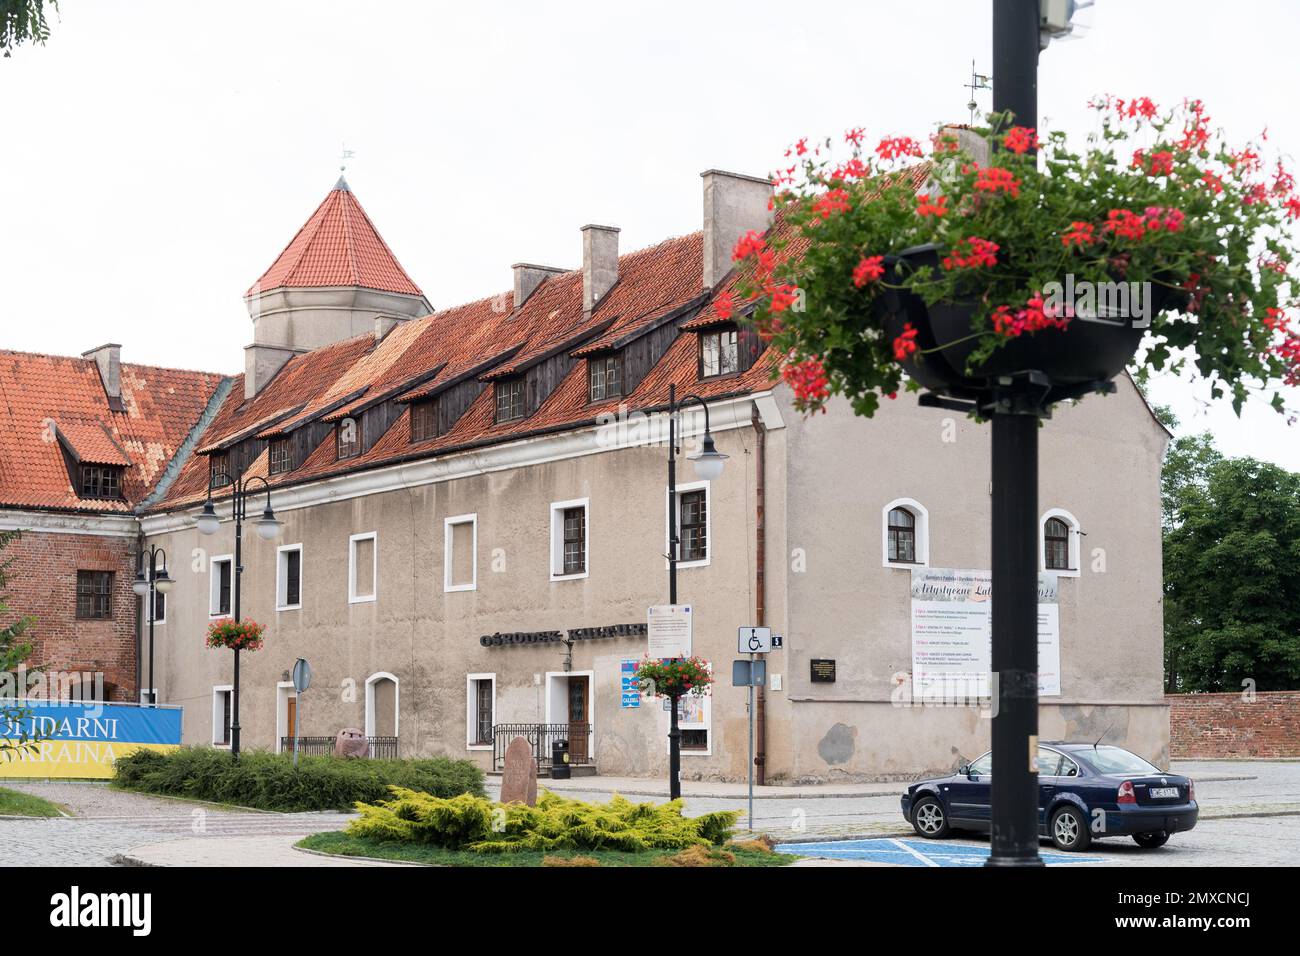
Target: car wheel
(1150, 841)
(929, 819)
(1069, 829)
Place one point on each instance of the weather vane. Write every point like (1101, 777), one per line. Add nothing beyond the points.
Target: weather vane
(344, 157)
(978, 81)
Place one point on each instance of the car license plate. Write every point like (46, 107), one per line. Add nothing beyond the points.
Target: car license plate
(1158, 793)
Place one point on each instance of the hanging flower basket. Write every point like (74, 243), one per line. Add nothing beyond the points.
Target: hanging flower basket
(236, 635)
(674, 678)
(1157, 246)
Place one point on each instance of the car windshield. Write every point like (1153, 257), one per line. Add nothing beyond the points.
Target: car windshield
(1116, 760)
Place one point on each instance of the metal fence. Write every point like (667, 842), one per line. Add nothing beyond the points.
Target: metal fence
(380, 747)
(540, 737)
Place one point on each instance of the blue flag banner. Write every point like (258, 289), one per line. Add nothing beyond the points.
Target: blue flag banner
(81, 739)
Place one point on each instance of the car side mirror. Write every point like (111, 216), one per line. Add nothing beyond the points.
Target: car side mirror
(964, 770)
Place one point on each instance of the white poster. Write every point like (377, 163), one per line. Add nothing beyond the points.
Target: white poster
(952, 628)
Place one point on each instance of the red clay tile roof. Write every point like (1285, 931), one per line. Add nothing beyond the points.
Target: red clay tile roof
(43, 397)
(338, 246)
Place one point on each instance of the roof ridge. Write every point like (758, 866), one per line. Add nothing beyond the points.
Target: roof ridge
(125, 365)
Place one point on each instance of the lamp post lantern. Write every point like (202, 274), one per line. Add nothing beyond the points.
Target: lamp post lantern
(268, 528)
(708, 463)
(150, 581)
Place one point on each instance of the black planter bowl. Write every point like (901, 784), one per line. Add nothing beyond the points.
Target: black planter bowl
(1076, 360)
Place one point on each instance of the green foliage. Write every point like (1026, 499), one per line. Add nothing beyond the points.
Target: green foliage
(268, 781)
(1231, 569)
(556, 823)
(14, 803)
(14, 651)
(23, 20)
(674, 678)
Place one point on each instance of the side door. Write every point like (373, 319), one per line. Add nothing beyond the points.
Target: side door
(1049, 781)
(970, 797)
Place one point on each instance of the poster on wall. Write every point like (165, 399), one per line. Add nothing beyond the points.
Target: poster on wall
(83, 739)
(630, 686)
(952, 628)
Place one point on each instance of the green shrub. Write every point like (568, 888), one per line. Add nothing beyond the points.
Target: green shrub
(474, 823)
(269, 781)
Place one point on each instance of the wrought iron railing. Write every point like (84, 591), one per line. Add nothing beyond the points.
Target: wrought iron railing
(540, 737)
(380, 747)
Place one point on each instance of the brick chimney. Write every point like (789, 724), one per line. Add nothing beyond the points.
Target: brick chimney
(969, 140)
(599, 263)
(385, 324)
(529, 276)
(734, 204)
(261, 363)
(109, 360)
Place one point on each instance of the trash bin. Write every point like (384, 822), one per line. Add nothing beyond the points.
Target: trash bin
(560, 760)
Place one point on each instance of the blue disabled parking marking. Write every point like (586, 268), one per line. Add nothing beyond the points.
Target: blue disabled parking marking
(904, 852)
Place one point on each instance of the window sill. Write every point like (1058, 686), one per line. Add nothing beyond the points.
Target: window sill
(905, 565)
(684, 565)
(478, 746)
(368, 599)
(448, 588)
(570, 577)
(288, 607)
(1062, 572)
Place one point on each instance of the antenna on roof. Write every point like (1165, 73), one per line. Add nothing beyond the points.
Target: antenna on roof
(1102, 737)
(978, 81)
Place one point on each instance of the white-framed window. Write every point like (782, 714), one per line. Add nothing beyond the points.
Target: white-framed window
(570, 530)
(221, 587)
(460, 553)
(382, 710)
(223, 702)
(288, 577)
(1058, 543)
(480, 710)
(694, 524)
(904, 534)
(159, 608)
(363, 567)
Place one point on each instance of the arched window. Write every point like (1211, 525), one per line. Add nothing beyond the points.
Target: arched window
(1059, 540)
(382, 705)
(902, 536)
(1056, 545)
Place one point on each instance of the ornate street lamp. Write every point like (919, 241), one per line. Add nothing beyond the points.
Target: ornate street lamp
(268, 529)
(709, 463)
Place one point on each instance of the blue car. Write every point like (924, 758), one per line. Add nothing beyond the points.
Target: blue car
(1085, 792)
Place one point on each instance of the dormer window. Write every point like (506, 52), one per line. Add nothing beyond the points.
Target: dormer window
(347, 439)
(605, 376)
(510, 399)
(101, 481)
(719, 352)
(218, 470)
(278, 458)
(424, 420)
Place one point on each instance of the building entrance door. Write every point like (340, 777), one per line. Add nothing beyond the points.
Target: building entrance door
(579, 718)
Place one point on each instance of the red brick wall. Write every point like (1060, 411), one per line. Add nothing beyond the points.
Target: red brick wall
(43, 584)
(1207, 726)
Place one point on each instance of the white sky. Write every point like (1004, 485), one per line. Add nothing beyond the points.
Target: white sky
(157, 156)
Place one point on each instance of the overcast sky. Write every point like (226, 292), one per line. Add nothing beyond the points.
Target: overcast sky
(157, 156)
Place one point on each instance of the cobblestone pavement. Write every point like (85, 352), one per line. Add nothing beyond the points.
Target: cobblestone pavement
(1250, 815)
(107, 822)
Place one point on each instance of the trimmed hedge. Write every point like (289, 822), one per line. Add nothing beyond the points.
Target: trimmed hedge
(556, 823)
(268, 781)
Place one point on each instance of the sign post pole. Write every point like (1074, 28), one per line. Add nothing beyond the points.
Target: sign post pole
(752, 658)
(301, 681)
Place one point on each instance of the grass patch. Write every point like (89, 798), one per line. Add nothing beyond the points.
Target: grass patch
(14, 803)
(267, 781)
(342, 844)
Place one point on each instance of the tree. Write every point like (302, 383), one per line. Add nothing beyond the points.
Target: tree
(14, 651)
(23, 20)
(1232, 571)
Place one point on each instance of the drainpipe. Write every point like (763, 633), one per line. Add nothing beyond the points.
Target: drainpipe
(760, 597)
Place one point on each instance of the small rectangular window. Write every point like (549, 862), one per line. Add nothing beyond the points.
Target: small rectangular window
(460, 553)
(719, 353)
(222, 700)
(218, 475)
(95, 595)
(482, 709)
(347, 437)
(693, 528)
(101, 481)
(424, 420)
(159, 607)
(695, 739)
(510, 399)
(278, 457)
(363, 567)
(220, 585)
(289, 577)
(605, 377)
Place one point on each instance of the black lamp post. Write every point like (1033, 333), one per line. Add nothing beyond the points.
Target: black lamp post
(268, 528)
(708, 466)
(1016, 411)
(151, 581)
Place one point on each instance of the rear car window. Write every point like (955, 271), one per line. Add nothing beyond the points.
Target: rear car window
(1117, 760)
